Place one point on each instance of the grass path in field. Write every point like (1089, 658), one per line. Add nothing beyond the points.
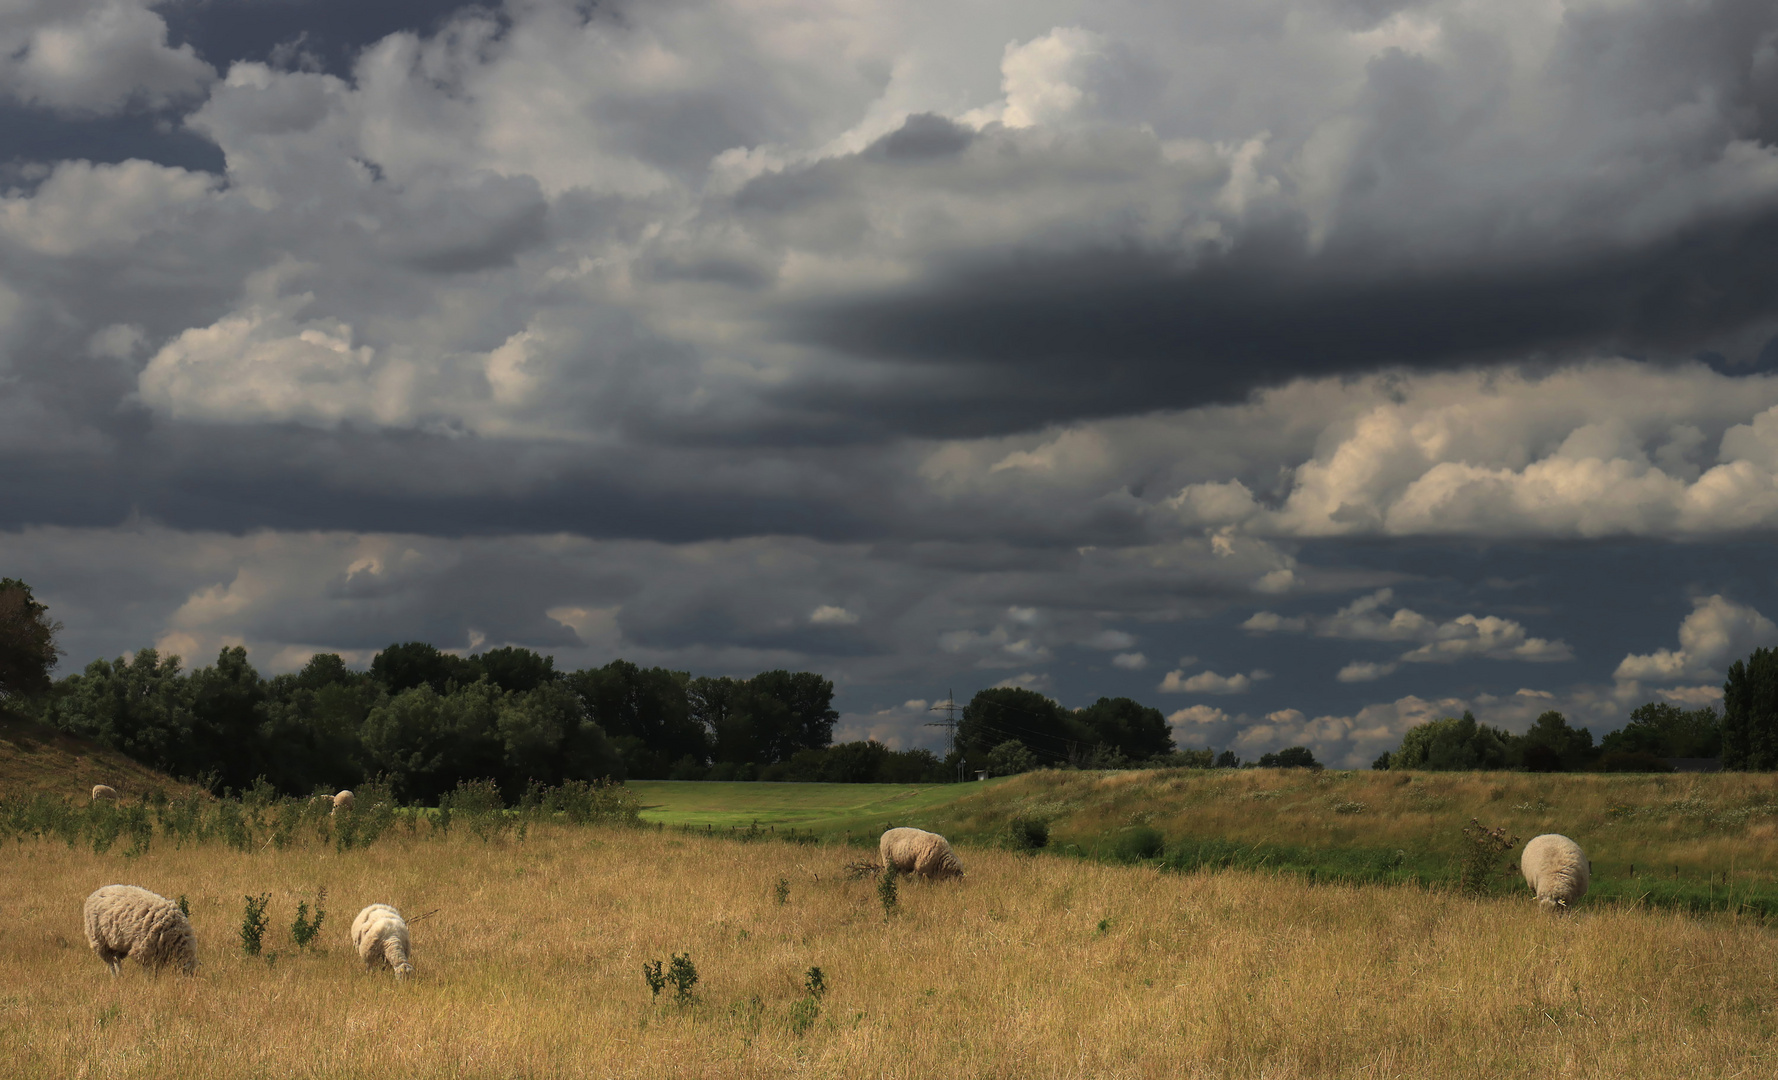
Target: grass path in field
(825, 809)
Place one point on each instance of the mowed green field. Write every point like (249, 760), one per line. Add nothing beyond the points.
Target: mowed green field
(828, 810)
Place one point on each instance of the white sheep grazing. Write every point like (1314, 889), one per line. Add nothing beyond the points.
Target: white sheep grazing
(103, 791)
(342, 801)
(379, 933)
(915, 851)
(123, 920)
(1556, 869)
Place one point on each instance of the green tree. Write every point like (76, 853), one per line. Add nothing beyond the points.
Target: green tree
(413, 663)
(1552, 746)
(645, 712)
(427, 743)
(1750, 713)
(225, 701)
(996, 715)
(1451, 743)
(547, 736)
(1137, 731)
(312, 721)
(1010, 758)
(28, 649)
(1291, 757)
(794, 711)
(517, 670)
(140, 707)
(1665, 730)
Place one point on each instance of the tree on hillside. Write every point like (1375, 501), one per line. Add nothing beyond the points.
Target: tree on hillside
(1137, 731)
(28, 649)
(1291, 757)
(1004, 713)
(1662, 729)
(140, 707)
(1750, 713)
(1451, 743)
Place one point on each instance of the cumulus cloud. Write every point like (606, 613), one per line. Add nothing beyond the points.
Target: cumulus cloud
(1716, 633)
(94, 56)
(830, 615)
(1130, 661)
(1365, 619)
(1209, 682)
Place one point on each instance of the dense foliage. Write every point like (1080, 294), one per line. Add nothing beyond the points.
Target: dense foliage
(428, 721)
(1750, 713)
(27, 641)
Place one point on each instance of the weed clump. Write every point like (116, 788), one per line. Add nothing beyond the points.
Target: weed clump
(1482, 849)
(683, 974)
(304, 929)
(886, 890)
(1027, 833)
(253, 923)
(1137, 843)
(651, 973)
(781, 892)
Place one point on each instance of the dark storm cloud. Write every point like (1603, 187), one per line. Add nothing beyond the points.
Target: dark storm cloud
(1049, 337)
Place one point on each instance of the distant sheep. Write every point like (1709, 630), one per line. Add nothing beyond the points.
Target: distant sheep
(379, 933)
(123, 920)
(342, 801)
(103, 791)
(1556, 869)
(915, 851)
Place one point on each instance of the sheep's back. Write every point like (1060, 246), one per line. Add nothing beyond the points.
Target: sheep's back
(1556, 868)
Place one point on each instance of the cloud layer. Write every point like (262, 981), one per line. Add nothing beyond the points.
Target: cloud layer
(1025, 342)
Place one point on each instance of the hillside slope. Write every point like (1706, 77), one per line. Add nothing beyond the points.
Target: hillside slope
(37, 758)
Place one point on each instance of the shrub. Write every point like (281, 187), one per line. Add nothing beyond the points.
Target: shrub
(651, 973)
(1482, 849)
(1009, 758)
(1633, 761)
(1137, 843)
(253, 923)
(1027, 833)
(781, 892)
(683, 974)
(886, 890)
(304, 929)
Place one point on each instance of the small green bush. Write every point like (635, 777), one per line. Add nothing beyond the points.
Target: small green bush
(253, 924)
(1027, 833)
(1137, 843)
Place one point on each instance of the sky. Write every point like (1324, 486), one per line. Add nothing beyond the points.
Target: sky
(1307, 369)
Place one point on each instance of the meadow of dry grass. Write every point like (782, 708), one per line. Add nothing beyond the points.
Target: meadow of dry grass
(1029, 967)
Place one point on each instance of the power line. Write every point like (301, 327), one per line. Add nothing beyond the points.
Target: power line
(949, 723)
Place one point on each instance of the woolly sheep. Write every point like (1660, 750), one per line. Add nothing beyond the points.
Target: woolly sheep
(915, 851)
(342, 801)
(123, 920)
(1556, 869)
(103, 791)
(379, 933)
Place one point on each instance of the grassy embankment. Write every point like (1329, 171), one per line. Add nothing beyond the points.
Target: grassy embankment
(38, 758)
(1030, 967)
(1700, 842)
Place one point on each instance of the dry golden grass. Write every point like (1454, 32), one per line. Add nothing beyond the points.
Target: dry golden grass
(1030, 967)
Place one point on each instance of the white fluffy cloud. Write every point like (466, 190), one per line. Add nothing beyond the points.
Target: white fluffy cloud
(1716, 633)
(1365, 619)
(1209, 682)
(94, 56)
